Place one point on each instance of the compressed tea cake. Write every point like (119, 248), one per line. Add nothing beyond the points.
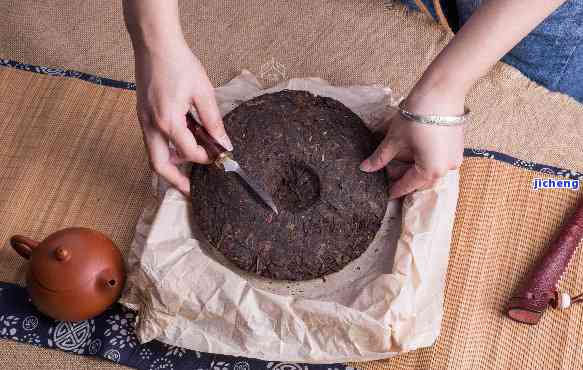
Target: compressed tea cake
(305, 151)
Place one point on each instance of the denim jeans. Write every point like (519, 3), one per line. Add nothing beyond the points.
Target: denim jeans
(551, 55)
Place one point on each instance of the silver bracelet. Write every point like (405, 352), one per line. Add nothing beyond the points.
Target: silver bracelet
(434, 119)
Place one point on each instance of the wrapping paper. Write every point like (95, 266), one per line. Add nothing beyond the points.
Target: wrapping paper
(388, 301)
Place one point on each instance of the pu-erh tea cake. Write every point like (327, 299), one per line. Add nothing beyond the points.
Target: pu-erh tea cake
(305, 151)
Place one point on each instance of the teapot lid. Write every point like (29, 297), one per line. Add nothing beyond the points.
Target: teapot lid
(72, 258)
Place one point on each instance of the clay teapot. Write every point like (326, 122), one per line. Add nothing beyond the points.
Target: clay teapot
(74, 274)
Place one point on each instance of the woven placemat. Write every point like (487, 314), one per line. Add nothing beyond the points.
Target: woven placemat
(71, 154)
(502, 226)
(346, 43)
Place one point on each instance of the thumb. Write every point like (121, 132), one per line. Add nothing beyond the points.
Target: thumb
(381, 156)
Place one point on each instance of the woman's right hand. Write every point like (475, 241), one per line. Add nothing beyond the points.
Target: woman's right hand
(169, 81)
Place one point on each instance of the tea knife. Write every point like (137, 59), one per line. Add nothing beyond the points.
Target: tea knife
(224, 159)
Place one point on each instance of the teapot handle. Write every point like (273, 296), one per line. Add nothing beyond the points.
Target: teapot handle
(23, 245)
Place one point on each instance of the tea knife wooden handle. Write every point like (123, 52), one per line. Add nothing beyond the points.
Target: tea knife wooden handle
(540, 289)
(214, 149)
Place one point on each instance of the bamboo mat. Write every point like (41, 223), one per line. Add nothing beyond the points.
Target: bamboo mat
(71, 154)
(344, 42)
(501, 228)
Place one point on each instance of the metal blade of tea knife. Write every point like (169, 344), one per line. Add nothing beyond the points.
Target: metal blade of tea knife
(230, 165)
(224, 160)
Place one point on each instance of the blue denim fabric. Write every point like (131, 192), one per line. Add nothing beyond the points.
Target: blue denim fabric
(551, 55)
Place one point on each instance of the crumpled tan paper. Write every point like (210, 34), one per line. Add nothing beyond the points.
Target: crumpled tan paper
(386, 302)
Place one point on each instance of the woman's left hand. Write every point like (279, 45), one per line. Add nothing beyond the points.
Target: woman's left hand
(429, 150)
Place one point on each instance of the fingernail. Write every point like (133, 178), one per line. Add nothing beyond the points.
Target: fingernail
(365, 166)
(185, 191)
(226, 142)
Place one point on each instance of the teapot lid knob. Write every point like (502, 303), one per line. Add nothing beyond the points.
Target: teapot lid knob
(62, 254)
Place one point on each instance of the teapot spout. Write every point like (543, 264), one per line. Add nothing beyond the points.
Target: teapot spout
(109, 281)
(109, 285)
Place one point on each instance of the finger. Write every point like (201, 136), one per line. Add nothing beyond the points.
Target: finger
(177, 158)
(159, 156)
(208, 111)
(185, 142)
(381, 156)
(396, 169)
(411, 181)
(172, 174)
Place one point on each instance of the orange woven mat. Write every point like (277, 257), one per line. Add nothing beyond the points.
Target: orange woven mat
(71, 154)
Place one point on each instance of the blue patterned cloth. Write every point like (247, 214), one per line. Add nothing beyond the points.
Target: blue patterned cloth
(551, 55)
(111, 336)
